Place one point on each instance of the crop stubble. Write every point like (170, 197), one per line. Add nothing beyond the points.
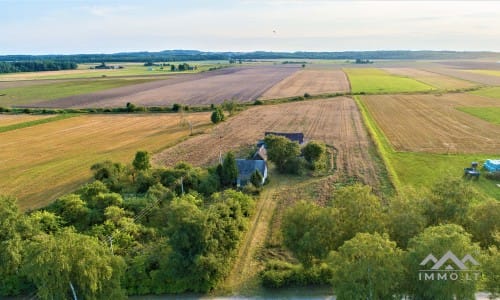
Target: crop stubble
(434, 79)
(335, 121)
(430, 123)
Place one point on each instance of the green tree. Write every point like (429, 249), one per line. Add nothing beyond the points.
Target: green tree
(229, 170)
(314, 151)
(359, 210)
(256, 178)
(142, 161)
(280, 150)
(217, 115)
(369, 266)
(438, 240)
(490, 267)
(73, 211)
(54, 262)
(405, 218)
(484, 223)
(309, 231)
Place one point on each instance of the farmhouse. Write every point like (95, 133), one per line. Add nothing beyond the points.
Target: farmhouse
(246, 167)
(292, 136)
(261, 153)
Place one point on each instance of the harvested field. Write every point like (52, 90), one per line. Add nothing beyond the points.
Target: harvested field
(239, 83)
(487, 72)
(431, 123)
(437, 80)
(335, 121)
(309, 81)
(6, 120)
(465, 75)
(46, 161)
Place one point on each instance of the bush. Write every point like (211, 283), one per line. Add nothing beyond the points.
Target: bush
(307, 95)
(217, 116)
(492, 175)
(296, 166)
(176, 107)
(279, 274)
(258, 102)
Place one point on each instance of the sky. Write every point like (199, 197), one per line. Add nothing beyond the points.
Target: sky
(110, 26)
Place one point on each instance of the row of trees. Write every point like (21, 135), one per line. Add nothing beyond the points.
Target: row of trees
(134, 230)
(367, 250)
(36, 66)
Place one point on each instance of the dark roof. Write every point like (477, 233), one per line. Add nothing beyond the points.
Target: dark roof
(292, 136)
(261, 153)
(247, 166)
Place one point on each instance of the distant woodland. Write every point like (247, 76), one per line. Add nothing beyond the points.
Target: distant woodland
(36, 65)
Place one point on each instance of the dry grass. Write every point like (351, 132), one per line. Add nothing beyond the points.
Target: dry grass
(335, 121)
(312, 81)
(43, 162)
(482, 78)
(6, 120)
(437, 80)
(430, 123)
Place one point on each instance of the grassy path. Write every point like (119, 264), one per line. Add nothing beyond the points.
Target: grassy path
(243, 278)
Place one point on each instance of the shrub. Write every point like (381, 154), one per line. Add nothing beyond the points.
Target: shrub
(258, 102)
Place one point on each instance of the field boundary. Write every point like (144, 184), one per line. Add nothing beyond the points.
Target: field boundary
(36, 122)
(381, 143)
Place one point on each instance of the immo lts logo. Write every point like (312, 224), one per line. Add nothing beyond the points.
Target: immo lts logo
(449, 267)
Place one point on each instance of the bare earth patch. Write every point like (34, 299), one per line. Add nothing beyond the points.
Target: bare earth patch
(430, 123)
(312, 81)
(335, 121)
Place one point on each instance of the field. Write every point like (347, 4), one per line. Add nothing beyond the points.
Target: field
(430, 123)
(30, 94)
(490, 114)
(335, 121)
(377, 81)
(312, 81)
(49, 160)
(486, 72)
(238, 83)
(492, 92)
(482, 78)
(7, 120)
(433, 79)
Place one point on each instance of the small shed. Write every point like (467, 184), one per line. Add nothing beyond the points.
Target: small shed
(292, 136)
(246, 167)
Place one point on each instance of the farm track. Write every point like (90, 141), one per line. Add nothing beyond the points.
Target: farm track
(238, 83)
(430, 123)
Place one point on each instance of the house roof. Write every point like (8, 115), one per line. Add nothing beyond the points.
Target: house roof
(247, 166)
(292, 136)
(261, 153)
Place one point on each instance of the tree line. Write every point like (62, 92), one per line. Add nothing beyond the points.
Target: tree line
(366, 248)
(36, 66)
(134, 230)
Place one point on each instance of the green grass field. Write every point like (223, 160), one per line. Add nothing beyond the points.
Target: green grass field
(376, 81)
(492, 92)
(32, 94)
(490, 114)
(422, 170)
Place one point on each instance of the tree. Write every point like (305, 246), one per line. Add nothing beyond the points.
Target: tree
(229, 106)
(256, 178)
(484, 222)
(358, 211)
(229, 170)
(54, 263)
(490, 267)
(217, 115)
(315, 154)
(369, 266)
(438, 241)
(130, 107)
(309, 231)
(280, 150)
(141, 161)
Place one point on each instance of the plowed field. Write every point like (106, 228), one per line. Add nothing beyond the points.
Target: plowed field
(239, 83)
(309, 81)
(431, 123)
(335, 121)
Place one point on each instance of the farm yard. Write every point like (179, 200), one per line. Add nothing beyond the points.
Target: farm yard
(238, 83)
(49, 160)
(335, 121)
(311, 81)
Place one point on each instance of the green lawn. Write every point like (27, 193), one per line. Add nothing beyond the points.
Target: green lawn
(376, 81)
(492, 92)
(32, 94)
(490, 114)
(422, 170)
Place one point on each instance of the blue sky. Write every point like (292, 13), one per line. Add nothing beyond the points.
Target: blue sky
(108, 26)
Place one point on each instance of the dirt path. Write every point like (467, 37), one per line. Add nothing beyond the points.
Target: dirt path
(243, 278)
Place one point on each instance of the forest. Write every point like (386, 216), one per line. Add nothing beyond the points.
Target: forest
(36, 66)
